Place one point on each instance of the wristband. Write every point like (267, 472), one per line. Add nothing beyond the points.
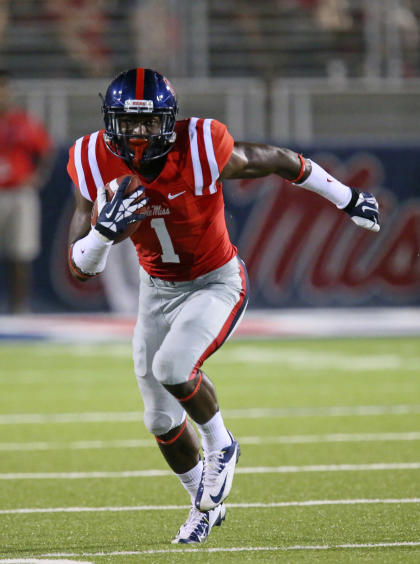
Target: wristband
(353, 201)
(89, 255)
(301, 171)
(325, 185)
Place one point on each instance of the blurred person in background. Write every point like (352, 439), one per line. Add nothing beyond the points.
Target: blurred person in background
(405, 21)
(82, 27)
(156, 33)
(25, 157)
(331, 15)
(193, 285)
(4, 18)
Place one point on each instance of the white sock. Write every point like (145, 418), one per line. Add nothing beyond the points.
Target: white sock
(214, 434)
(191, 479)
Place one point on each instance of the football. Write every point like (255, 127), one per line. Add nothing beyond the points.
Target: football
(110, 188)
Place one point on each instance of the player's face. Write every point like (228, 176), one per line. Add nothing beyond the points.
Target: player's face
(140, 124)
(138, 128)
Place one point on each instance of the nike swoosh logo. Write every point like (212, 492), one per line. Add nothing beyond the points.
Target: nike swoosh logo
(82, 251)
(173, 196)
(111, 211)
(364, 208)
(218, 497)
(329, 180)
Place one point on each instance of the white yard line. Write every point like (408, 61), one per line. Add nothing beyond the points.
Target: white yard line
(282, 439)
(250, 413)
(246, 470)
(330, 438)
(189, 550)
(115, 509)
(41, 561)
(84, 417)
(78, 445)
(333, 411)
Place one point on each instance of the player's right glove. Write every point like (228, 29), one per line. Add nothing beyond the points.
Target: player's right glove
(363, 210)
(116, 215)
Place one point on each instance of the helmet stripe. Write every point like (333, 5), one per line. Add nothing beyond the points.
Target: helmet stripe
(140, 84)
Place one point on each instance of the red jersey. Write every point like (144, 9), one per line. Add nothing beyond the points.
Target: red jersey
(23, 141)
(184, 234)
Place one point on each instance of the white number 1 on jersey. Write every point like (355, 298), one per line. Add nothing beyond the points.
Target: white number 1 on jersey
(168, 252)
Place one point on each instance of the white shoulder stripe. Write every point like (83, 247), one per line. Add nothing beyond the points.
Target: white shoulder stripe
(208, 143)
(93, 162)
(198, 173)
(79, 169)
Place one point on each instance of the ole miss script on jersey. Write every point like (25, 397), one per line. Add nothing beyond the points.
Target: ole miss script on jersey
(184, 234)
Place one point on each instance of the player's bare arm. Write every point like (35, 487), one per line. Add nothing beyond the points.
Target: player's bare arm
(251, 160)
(80, 223)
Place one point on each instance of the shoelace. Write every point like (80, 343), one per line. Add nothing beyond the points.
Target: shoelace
(213, 465)
(196, 522)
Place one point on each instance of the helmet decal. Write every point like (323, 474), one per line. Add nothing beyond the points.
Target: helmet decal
(169, 85)
(134, 105)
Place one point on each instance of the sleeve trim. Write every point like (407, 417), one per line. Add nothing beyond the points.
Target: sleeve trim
(208, 143)
(206, 167)
(86, 165)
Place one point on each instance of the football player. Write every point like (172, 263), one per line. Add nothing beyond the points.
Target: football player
(193, 285)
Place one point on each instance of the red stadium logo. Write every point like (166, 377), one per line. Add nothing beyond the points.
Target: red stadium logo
(299, 248)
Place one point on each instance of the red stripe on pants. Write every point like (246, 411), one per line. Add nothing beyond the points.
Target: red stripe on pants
(226, 327)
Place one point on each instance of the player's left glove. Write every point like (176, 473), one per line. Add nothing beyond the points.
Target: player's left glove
(115, 216)
(363, 210)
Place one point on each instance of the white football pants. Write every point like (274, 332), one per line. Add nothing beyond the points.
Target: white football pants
(179, 325)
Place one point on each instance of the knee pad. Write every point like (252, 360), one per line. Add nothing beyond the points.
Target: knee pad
(172, 366)
(160, 423)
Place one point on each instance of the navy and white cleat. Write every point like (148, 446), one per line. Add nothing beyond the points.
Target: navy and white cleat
(216, 480)
(198, 525)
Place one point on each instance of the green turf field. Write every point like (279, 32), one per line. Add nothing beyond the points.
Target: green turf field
(329, 472)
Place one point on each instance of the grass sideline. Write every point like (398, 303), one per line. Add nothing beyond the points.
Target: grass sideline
(328, 405)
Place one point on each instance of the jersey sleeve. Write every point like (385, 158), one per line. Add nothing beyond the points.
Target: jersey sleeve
(222, 143)
(211, 147)
(71, 167)
(83, 166)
